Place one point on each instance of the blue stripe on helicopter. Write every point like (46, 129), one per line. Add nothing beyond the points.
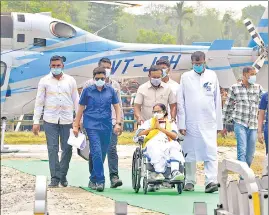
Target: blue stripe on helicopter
(221, 45)
(263, 23)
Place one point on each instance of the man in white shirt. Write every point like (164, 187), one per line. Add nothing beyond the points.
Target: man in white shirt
(165, 66)
(199, 119)
(57, 93)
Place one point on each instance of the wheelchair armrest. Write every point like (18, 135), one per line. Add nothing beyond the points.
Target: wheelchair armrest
(139, 139)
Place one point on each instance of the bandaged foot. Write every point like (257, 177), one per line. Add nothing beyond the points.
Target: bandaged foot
(177, 176)
(159, 177)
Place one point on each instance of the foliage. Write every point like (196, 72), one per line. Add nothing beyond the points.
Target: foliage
(125, 139)
(181, 14)
(160, 24)
(149, 36)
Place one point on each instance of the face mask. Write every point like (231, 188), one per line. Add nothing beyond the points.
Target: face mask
(155, 81)
(252, 79)
(198, 69)
(165, 72)
(159, 115)
(56, 71)
(108, 72)
(99, 83)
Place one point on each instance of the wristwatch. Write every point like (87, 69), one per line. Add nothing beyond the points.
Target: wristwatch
(119, 123)
(173, 120)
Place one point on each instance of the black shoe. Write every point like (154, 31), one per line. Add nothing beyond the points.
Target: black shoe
(53, 184)
(64, 183)
(100, 187)
(115, 182)
(92, 185)
(211, 188)
(189, 187)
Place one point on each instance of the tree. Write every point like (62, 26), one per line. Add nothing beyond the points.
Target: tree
(102, 15)
(253, 12)
(150, 36)
(181, 14)
(228, 23)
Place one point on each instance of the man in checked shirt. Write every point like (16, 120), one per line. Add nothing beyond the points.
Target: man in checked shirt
(241, 107)
(112, 154)
(57, 93)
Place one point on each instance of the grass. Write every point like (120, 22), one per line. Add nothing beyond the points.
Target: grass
(16, 138)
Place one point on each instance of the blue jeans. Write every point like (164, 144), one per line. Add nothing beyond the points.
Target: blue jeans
(266, 136)
(112, 157)
(99, 143)
(246, 143)
(58, 170)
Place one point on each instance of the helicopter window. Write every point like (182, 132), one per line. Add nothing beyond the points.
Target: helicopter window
(59, 29)
(20, 38)
(6, 26)
(3, 72)
(39, 42)
(21, 18)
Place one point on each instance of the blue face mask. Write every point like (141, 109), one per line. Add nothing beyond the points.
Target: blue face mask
(252, 79)
(198, 69)
(99, 83)
(56, 71)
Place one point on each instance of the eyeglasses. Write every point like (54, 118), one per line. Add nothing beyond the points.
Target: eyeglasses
(97, 79)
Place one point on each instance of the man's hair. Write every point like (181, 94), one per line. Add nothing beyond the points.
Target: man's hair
(57, 57)
(163, 61)
(104, 60)
(154, 68)
(247, 69)
(99, 70)
(198, 55)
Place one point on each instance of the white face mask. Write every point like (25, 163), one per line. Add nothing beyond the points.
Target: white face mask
(108, 72)
(158, 115)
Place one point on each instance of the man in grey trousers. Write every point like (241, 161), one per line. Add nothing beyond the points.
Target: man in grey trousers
(57, 94)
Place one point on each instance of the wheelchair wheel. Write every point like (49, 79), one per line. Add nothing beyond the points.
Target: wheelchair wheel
(179, 188)
(145, 185)
(136, 170)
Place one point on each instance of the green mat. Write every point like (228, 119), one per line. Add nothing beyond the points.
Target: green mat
(167, 201)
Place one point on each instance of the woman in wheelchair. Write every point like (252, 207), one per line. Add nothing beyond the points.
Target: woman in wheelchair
(161, 146)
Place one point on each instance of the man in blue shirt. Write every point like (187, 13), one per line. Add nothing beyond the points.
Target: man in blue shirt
(97, 121)
(263, 109)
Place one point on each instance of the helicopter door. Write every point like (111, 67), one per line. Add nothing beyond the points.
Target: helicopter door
(6, 66)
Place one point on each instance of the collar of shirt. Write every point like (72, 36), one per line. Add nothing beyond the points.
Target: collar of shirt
(94, 87)
(150, 85)
(52, 76)
(199, 74)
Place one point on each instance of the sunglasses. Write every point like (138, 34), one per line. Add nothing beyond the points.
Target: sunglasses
(97, 79)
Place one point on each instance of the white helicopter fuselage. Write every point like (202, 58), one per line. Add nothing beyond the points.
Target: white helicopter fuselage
(30, 40)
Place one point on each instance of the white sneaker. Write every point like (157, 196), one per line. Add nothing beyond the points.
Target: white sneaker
(159, 177)
(177, 176)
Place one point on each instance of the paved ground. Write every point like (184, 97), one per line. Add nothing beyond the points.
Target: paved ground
(17, 189)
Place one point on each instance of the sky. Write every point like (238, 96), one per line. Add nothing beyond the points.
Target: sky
(219, 5)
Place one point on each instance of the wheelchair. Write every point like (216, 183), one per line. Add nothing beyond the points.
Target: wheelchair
(141, 168)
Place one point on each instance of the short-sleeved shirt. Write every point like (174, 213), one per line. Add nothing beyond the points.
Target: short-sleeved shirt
(116, 86)
(98, 114)
(264, 105)
(147, 96)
